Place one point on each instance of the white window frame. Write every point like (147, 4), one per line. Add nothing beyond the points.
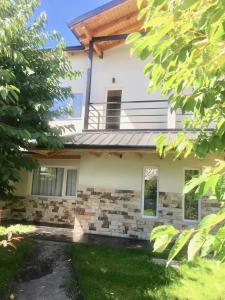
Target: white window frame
(108, 88)
(82, 109)
(82, 106)
(183, 199)
(143, 194)
(66, 168)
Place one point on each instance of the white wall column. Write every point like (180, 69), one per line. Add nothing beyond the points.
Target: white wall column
(171, 119)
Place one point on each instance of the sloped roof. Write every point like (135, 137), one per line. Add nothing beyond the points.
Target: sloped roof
(114, 18)
(117, 140)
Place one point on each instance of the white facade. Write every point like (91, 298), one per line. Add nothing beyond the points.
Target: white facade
(110, 182)
(118, 70)
(111, 172)
(79, 62)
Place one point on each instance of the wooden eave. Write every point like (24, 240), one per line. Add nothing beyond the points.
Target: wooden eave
(116, 17)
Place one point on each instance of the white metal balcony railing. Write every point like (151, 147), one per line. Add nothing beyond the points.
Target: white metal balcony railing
(133, 115)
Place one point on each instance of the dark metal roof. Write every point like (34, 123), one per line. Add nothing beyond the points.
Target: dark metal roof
(117, 139)
(94, 12)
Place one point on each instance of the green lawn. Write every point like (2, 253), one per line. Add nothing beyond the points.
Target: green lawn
(11, 260)
(16, 229)
(128, 274)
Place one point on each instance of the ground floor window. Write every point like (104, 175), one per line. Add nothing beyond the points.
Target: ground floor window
(150, 192)
(191, 204)
(54, 181)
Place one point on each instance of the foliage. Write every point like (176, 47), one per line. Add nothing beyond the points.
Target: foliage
(184, 44)
(10, 263)
(115, 273)
(30, 81)
(10, 240)
(201, 240)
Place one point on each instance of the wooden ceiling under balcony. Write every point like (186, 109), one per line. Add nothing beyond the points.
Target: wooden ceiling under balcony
(114, 18)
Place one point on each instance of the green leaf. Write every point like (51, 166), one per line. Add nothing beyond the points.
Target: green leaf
(188, 3)
(208, 245)
(144, 53)
(139, 3)
(220, 188)
(195, 244)
(207, 222)
(162, 235)
(163, 230)
(193, 183)
(133, 37)
(147, 68)
(210, 221)
(161, 141)
(158, 3)
(3, 92)
(210, 184)
(219, 243)
(179, 244)
(161, 243)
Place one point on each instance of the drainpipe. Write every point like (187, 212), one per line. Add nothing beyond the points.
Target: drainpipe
(88, 87)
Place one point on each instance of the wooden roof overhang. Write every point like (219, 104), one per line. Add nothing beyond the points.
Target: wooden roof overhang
(74, 153)
(116, 18)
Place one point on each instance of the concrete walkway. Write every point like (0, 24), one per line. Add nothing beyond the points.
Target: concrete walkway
(46, 273)
(67, 235)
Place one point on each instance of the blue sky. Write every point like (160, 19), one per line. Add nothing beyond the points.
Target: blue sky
(61, 12)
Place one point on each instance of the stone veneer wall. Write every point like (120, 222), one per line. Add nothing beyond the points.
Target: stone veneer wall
(116, 213)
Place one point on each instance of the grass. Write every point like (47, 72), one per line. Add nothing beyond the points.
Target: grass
(11, 260)
(113, 273)
(16, 229)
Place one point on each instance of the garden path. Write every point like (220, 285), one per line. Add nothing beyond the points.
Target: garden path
(46, 273)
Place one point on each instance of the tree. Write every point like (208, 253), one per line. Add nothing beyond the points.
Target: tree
(184, 43)
(30, 82)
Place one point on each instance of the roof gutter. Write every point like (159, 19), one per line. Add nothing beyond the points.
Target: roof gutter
(108, 147)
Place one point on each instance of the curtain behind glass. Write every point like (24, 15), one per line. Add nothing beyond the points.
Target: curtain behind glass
(71, 183)
(47, 181)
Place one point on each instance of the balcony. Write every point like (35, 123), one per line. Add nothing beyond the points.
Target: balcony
(133, 115)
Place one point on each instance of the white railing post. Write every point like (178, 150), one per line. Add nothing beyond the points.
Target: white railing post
(171, 119)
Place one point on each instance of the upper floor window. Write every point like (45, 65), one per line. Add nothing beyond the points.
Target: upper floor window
(75, 105)
(191, 204)
(52, 181)
(150, 192)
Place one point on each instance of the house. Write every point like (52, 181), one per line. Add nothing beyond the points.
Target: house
(109, 178)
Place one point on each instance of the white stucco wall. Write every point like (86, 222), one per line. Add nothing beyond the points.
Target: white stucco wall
(79, 62)
(111, 172)
(126, 69)
(128, 72)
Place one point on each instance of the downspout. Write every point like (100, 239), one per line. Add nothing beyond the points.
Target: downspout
(88, 86)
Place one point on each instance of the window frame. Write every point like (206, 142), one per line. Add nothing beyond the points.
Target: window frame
(82, 106)
(111, 87)
(183, 199)
(143, 193)
(66, 168)
(70, 118)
